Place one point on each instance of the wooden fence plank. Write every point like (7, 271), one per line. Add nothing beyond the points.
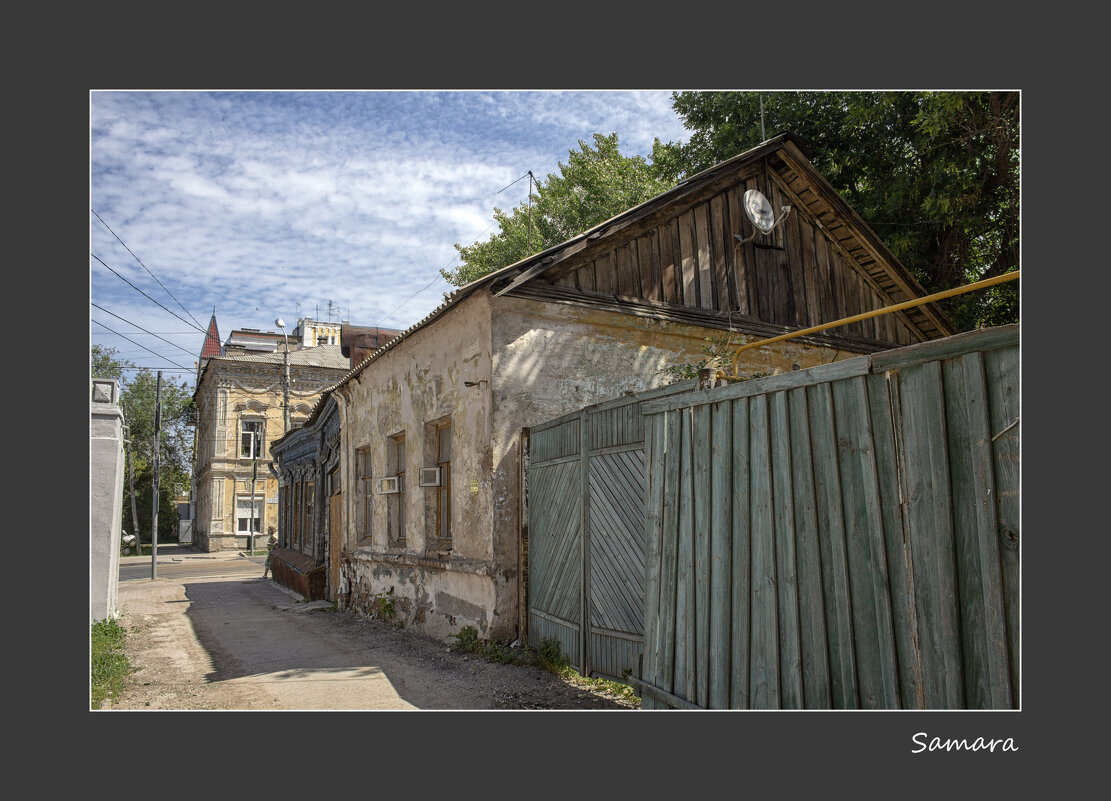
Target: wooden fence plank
(831, 541)
(983, 629)
(665, 645)
(739, 691)
(764, 654)
(783, 516)
(812, 632)
(703, 498)
(654, 445)
(925, 465)
(721, 567)
(685, 642)
(873, 635)
(1002, 368)
(883, 405)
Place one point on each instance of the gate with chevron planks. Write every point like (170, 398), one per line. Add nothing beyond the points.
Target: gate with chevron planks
(586, 523)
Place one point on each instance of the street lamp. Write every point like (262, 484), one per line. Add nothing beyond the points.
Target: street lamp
(285, 377)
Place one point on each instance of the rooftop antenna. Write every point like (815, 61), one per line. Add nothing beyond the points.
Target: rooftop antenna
(763, 136)
(760, 214)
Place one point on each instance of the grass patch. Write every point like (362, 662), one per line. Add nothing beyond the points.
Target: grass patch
(548, 657)
(109, 664)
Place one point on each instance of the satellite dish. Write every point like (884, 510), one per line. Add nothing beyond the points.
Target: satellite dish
(760, 214)
(759, 210)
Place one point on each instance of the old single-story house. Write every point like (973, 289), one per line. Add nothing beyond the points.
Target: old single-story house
(308, 480)
(430, 455)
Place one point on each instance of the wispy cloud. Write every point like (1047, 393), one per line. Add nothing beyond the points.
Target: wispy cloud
(267, 204)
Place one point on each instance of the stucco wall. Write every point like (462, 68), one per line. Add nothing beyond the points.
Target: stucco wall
(421, 382)
(106, 462)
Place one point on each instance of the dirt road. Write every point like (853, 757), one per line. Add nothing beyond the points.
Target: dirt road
(240, 642)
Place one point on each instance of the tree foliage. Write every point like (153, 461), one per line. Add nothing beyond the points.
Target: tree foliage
(139, 396)
(935, 174)
(596, 183)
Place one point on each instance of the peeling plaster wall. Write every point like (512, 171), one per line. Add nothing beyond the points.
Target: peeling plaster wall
(417, 383)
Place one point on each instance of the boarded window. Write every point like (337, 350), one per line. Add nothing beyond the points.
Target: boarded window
(443, 492)
(396, 501)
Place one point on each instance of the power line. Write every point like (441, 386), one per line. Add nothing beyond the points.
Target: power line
(152, 275)
(148, 297)
(144, 347)
(145, 331)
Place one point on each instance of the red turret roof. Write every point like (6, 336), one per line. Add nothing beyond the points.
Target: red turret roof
(211, 340)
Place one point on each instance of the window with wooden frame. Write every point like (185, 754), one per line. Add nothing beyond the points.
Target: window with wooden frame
(250, 439)
(294, 515)
(395, 502)
(363, 475)
(310, 527)
(443, 492)
(246, 518)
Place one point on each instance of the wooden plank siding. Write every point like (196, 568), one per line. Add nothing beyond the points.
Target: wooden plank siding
(810, 270)
(838, 539)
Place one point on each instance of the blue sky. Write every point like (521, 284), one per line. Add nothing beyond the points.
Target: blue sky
(273, 204)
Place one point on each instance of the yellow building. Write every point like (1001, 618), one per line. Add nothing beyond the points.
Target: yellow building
(241, 408)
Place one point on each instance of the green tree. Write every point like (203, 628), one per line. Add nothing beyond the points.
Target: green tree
(139, 400)
(935, 174)
(104, 363)
(138, 397)
(595, 184)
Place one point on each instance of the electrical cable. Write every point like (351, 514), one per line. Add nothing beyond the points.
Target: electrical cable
(152, 275)
(133, 342)
(148, 297)
(145, 331)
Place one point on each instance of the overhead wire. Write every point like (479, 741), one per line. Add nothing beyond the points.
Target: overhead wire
(144, 347)
(152, 275)
(148, 297)
(145, 331)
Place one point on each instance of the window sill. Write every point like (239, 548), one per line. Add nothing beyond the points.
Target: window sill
(430, 560)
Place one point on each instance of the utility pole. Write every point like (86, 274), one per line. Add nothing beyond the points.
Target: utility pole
(285, 375)
(251, 525)
(157, 442)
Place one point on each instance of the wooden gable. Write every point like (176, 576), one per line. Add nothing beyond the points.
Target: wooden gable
(677, 257)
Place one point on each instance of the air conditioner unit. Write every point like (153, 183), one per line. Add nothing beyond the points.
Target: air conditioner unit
(389, 485)
(430, 476)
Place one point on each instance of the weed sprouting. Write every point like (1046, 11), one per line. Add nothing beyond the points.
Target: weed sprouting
(109, 664)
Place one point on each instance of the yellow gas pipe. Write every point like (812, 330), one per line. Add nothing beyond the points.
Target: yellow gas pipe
(999, 279)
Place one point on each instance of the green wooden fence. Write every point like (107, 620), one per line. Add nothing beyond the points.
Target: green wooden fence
(843, 537)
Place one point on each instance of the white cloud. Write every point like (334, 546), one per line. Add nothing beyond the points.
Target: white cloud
(282, 201)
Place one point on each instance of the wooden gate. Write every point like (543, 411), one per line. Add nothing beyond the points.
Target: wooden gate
(585, 494)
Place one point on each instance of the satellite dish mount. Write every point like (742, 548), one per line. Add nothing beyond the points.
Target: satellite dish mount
(760, 214)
